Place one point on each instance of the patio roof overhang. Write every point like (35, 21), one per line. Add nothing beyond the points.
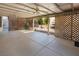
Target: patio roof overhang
(27, 10)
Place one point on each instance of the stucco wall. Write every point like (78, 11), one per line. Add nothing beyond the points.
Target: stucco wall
(59, 26)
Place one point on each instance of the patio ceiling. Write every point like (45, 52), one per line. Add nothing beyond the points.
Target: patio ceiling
(27, 10)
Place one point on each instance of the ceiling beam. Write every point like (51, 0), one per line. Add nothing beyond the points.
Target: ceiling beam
(9, 11)
(58, 7)
(6, 10)
(45, 7)
(31, 7)
(61, 13)
(72, 7)
(16, 7)
(14, 10)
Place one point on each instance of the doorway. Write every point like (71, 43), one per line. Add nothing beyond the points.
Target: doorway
(5, 23)
(52, 25)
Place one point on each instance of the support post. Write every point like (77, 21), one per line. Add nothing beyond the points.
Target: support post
(33, 24)
(48, 26)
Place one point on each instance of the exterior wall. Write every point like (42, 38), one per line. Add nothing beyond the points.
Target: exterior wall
(20, 23)
(63, 27)
(16, 23)
(59, 26)
(12, 22)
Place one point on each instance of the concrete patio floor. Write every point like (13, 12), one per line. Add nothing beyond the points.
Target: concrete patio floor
(20, 43)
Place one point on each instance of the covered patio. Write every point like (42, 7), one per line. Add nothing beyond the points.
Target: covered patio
(39, 29)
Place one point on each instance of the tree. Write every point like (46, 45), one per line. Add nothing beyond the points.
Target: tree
(46, 20)
(40, 21)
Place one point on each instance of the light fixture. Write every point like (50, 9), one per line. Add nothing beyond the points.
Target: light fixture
(37, 10)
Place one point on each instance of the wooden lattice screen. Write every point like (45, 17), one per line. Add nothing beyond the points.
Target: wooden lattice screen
(67, 27)
(75, 27)
(70, 26)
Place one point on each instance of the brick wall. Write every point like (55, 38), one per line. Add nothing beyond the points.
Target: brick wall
(20, 23)
(16, 23)
(12, 22)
